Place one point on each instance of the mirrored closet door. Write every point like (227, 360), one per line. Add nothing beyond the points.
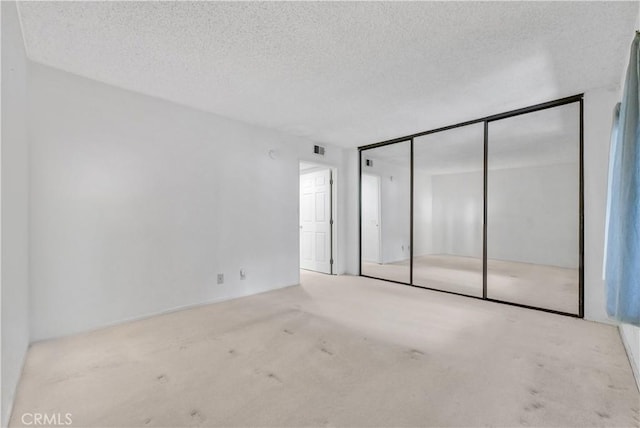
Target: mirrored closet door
(448, 186)
(490, 208)
(385, 204)
(533, 196)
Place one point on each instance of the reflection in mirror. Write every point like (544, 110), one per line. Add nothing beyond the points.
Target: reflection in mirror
(533, 209)
(448, 210)
(385, 211)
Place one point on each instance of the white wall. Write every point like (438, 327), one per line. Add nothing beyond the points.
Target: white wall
(630, 335)
(423, 213)
(533, 215)
(352, 211)
(395, 190)
(598, 112)
(371, 207)
(534, 205)
(14, 228)
(457, 214)
(137, 204)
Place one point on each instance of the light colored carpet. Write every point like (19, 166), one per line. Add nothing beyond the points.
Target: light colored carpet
(337, 351)
(542, 286)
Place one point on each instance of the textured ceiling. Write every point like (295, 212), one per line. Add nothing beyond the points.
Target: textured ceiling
(342, 73)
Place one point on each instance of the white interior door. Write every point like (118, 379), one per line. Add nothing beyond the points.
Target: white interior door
(370, 218)
(315, 221)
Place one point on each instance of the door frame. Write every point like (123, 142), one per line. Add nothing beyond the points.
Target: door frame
(333, 225)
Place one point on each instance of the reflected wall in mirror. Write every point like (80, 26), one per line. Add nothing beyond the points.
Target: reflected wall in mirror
(533, 195)
(386, 211)
(448, 210)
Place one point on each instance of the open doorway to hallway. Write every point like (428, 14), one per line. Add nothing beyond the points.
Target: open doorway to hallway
(317, 217)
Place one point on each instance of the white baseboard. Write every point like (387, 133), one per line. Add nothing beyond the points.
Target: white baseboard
(6, 417)
(632, 347)
(164, 312)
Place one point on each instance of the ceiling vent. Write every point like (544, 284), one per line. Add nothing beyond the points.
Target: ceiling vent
(319, 150)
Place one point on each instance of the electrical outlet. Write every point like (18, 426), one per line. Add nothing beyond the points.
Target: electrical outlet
(243, 274)
(220, 278)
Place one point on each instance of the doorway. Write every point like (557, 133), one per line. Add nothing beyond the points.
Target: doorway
(317, 214)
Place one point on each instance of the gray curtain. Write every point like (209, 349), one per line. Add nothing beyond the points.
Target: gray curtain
(622, 260)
